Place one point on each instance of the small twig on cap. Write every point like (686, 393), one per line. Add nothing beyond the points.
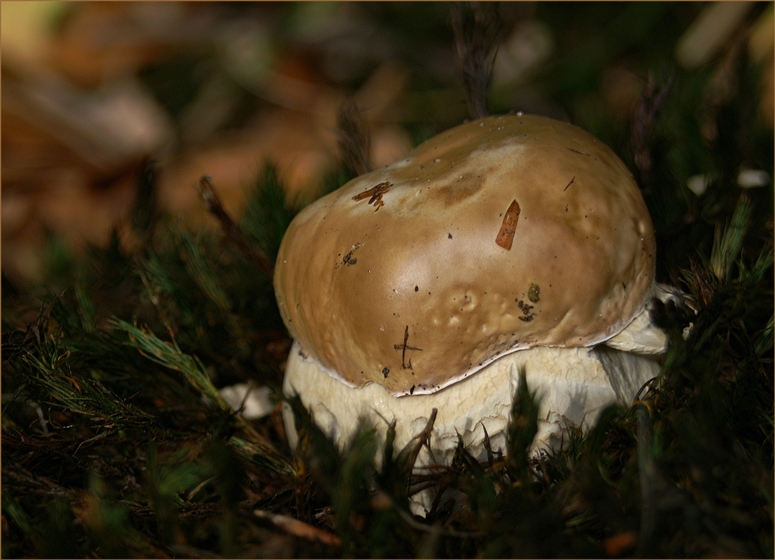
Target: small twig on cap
(211, 201)
(374, 194)
(404, 347)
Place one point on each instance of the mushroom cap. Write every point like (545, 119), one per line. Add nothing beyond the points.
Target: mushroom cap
(497, 235)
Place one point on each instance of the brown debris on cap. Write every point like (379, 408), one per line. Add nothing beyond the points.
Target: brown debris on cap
(430, 276)
(505, 236)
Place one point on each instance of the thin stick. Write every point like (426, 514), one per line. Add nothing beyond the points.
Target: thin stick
(478, 30)
(211, 201)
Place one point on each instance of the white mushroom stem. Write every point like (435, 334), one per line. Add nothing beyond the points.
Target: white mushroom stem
(574, 384)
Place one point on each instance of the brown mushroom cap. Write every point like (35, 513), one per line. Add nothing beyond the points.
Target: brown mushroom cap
(498, 235)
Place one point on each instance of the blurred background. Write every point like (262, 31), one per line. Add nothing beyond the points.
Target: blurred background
(92, 91)
(128, 315)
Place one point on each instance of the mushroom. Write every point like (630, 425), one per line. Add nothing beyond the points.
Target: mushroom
(504, 242)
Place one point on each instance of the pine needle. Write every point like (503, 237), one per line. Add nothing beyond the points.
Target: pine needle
(233, 232)
(81, 395)
(353, 137)
(200, 270)
(729, 240)
(478, 30)
(170, 356)
(299, 528)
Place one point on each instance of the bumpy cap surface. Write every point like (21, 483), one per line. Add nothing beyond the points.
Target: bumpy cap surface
(500, 234)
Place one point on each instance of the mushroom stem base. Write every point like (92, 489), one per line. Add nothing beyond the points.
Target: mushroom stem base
(574, 385)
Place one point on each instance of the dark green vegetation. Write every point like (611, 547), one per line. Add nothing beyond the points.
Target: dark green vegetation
(117, 443)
